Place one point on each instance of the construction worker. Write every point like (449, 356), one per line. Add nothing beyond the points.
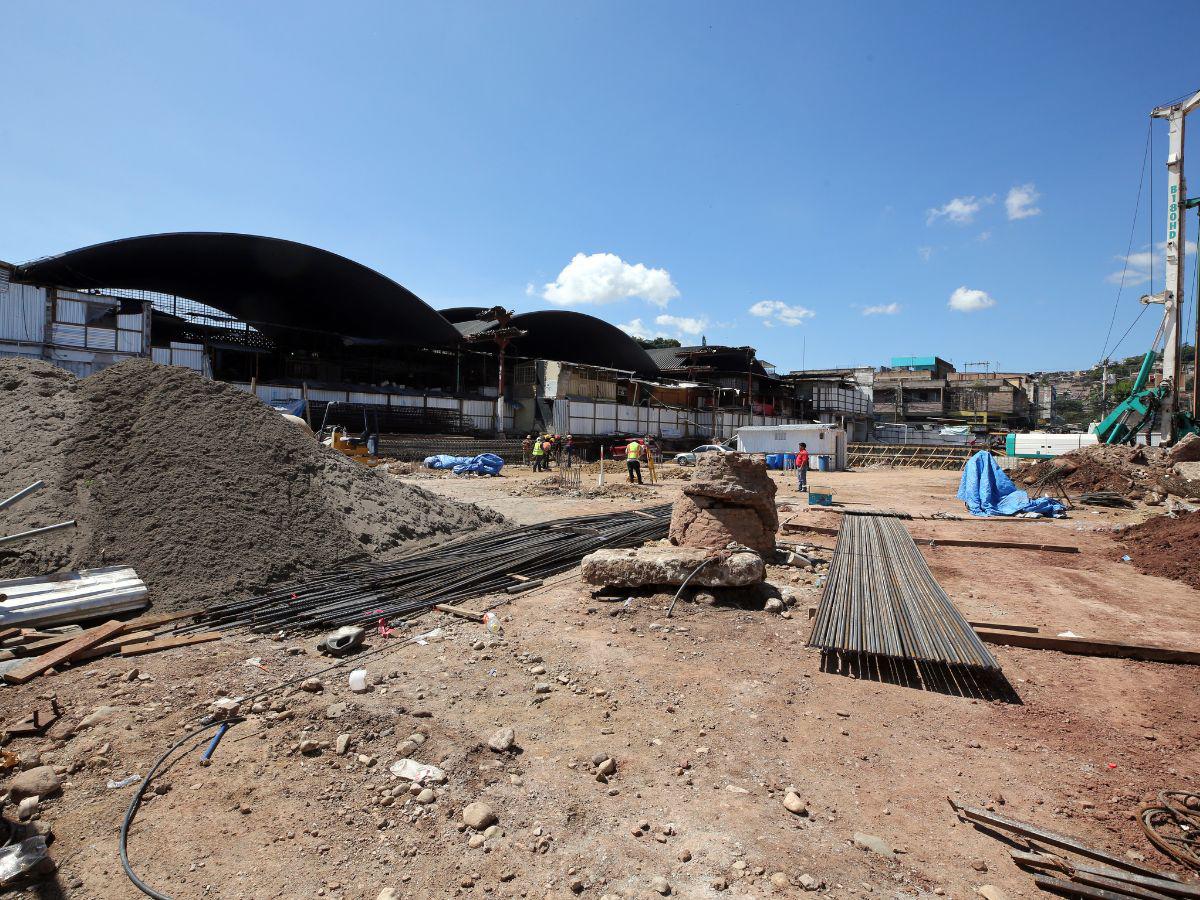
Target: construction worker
(802, 467)
(633, 452)
(539, 456)
(570, 445)
(526, 447)
(547, 449)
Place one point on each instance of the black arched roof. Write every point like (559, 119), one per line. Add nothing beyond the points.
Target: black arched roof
(292, 292)
(577, 337)
(456, 314)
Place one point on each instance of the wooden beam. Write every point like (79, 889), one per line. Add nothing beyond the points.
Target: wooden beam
(114, 645)
(459, 611)
(996, 545)
(59, 655)
(1090, 646)
(796, 526)
(168, 643)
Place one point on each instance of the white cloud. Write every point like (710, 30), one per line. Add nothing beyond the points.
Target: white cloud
(635, 329)
(984, 236)
(1019, 204)
(965, 299)
(882, 309)
(691, 325)
(926, 253)
(1137, 265)
(776, 311)
(960, 210)
(530, 290)
(668, 326)
(606, 278)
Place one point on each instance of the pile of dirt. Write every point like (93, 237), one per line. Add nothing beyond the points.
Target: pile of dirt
(1166, 546)
(204, 490)
(1138, 473)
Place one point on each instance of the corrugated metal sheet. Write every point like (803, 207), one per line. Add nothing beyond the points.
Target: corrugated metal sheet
(129, 341)
(189, 359)
(161, 355)
(68, 335)
(101, 338)
(130, 321)
(73, 312)
(22, 313)
(356, 397)
(334, 396)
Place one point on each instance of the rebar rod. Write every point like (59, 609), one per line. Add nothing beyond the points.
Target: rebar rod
(881, 599)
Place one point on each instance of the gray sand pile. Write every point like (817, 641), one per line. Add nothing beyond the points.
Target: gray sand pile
(205, 491)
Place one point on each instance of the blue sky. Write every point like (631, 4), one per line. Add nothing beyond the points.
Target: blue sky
(760, 173)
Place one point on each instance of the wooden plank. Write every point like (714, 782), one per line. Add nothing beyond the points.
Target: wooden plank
(59, 655)
(6, 633)
(114, 645)
(1090, 646)
(797, 526)
(168, 643)
(154, 620)
(997, 545)
(459, 611)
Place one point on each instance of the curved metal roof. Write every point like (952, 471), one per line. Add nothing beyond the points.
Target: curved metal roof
(577, 337)
(295, 293)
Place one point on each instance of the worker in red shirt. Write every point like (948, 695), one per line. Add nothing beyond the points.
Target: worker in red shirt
(802, 467)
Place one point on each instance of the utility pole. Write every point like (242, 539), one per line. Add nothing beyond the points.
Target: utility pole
(1175, 115)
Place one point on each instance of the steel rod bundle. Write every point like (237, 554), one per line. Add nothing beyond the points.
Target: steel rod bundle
(363, 594)
(881, 599)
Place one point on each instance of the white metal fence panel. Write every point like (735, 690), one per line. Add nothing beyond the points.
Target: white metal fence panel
(72, 312)
(22, 313)
(101, 338)
(129, 341)
(68, 335)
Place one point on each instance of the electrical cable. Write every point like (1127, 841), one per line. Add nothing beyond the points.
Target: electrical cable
(135, 803)
(694, 571)
(1129, 248)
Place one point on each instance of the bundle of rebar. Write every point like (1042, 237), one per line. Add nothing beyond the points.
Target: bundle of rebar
(881, 599)
(450, 573)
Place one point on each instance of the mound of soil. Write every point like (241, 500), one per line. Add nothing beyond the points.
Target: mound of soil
(204, 490)
(1135, 472)
(1166, 546)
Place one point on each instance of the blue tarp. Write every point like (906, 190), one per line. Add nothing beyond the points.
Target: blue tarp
(484, 464)
(987, 491)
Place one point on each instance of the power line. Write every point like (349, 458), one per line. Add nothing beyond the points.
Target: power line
(1129, 249)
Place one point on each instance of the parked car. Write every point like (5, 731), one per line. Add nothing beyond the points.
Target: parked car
(689, 458)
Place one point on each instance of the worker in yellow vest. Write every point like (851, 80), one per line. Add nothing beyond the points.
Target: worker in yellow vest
(539, 456)
(633, 454)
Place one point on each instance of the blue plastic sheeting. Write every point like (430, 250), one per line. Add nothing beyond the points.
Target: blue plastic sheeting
(484, 464)
(781, 460)
(987, 491)
(443, 461)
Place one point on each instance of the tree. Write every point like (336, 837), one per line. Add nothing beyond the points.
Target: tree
(658, 343)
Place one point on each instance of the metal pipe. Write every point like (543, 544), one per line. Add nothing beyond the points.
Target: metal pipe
(33, 532)
(22, 494)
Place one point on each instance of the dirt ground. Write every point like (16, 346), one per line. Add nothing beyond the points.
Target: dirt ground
(710, 715)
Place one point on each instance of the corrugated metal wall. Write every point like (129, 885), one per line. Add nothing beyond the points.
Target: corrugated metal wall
(22, 312)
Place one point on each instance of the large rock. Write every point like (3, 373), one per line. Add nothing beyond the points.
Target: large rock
(707, 523)
(41, 781)
(670, 566)
(731, 500)
(1188, 470)
(1186, 450)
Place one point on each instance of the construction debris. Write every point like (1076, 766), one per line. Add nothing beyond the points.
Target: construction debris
(1090, 646)
(70, 596)
(1136, 473)
(881, 599)
(730, 501)
(1117, 876)
(645, 566)
(1173, 825)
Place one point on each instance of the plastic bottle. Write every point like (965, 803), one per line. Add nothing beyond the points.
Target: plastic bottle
(491, 622)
